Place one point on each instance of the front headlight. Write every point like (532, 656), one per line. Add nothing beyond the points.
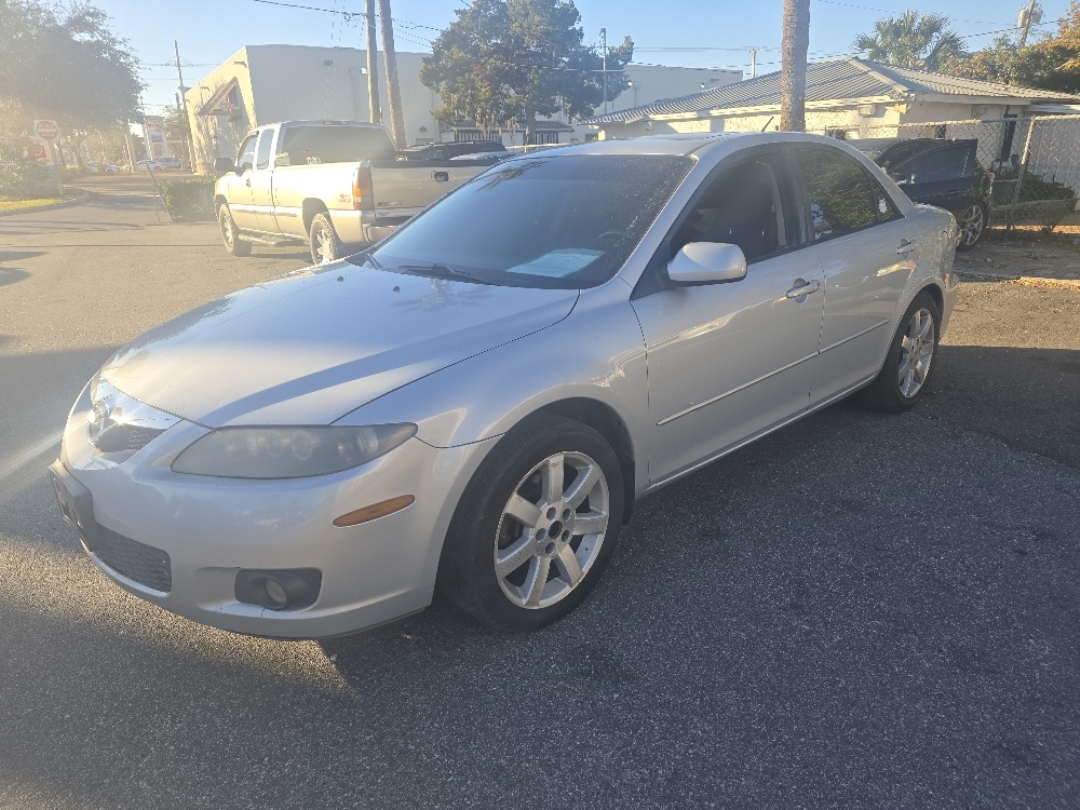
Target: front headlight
(288, 452)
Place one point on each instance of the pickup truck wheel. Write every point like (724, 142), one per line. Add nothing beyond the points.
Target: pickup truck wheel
(325, 245)
(230, 235)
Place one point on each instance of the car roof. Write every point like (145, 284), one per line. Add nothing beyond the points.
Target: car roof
(685, 145)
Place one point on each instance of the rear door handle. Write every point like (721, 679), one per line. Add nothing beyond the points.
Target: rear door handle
(906, 247)
(803, 287)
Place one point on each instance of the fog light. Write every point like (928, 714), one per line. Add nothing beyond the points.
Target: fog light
(288, 589)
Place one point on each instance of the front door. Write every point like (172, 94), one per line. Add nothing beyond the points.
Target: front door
(729, 360)
(243, 212)
(261, 199)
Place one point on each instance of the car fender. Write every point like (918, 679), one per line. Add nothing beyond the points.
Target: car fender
(486, 395)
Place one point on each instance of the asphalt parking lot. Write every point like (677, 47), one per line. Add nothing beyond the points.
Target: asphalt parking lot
(857, 611)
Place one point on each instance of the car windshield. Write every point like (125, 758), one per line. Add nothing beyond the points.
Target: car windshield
(566, 221)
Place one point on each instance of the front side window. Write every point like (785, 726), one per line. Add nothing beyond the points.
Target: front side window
(262, 159)
(247, 154)
(741, 206)
(557, 221)
(843, 199)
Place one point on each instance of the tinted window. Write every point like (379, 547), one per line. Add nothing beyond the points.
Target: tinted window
(334, 144)
(842, 197)
(262, 159)
(742, 206)
(566, 221)
(941, 164)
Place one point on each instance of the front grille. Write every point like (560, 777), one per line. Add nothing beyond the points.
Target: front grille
(145, 564)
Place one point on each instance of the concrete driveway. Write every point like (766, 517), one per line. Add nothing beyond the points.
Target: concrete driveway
(857, 611)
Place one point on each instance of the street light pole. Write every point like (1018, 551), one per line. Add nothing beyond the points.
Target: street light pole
(183, 100)
(603, 40)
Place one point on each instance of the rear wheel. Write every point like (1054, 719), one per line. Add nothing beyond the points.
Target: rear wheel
(324, 242)
(536, 526)
(906, 374)
(972, 225)
(230, 235)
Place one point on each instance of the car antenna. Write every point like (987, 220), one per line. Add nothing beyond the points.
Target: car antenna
(767, 124)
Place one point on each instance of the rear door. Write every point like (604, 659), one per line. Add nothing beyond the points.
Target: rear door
(867, 250)
(943, 176)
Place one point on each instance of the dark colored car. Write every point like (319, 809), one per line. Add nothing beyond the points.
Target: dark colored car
(448, 151)
(940, 172)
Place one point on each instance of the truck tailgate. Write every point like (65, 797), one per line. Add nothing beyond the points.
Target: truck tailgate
(404, 188)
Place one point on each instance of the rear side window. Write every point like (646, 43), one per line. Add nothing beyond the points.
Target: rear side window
(843, 198)
(262, 152)
(334, 144)
(940, 164)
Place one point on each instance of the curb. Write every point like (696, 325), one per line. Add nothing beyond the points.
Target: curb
(83, 197)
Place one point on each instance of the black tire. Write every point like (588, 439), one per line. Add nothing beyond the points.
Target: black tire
(323, 241)
(482, 526)
(230, 234)
(887, 393)
(973, 223)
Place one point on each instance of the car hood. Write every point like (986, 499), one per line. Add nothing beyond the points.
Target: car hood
(309, 347)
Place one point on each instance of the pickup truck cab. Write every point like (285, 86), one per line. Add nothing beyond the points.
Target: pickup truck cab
(335, 185)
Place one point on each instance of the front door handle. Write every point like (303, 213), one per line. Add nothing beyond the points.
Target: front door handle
(803, 287)
(248, 182)
(906, 247)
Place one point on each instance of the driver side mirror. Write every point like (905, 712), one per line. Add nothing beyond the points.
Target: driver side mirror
(707, 263)
(223, 165)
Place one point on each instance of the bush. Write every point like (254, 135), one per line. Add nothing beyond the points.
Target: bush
(189, 199)
(27, 180)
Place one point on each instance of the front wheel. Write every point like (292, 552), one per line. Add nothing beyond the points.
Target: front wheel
(906, 374)
(536, 526)
(972, 225)
(324, 242)
(230, 234)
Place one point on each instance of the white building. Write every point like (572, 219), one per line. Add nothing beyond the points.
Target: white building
(261, 84)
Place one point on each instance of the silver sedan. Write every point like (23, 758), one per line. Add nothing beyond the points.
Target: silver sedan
(475, 403)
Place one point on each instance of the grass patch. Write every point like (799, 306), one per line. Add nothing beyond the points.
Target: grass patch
(7, 205)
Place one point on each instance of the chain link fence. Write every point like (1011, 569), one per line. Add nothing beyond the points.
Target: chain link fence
(1034, 161)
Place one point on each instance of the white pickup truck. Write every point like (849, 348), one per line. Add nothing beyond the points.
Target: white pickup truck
(335, 185)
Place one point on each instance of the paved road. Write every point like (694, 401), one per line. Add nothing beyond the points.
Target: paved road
(859, 611)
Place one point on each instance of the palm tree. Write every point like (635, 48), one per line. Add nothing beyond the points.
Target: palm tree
(793, 47)
(912, 40)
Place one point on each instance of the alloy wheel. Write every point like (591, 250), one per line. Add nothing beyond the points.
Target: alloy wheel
(916, 352)
(551, 530)
(972, 224)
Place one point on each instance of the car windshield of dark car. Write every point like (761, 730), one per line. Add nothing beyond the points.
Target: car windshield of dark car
(566, 221)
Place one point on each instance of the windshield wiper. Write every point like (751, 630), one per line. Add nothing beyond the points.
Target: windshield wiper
(441, 271)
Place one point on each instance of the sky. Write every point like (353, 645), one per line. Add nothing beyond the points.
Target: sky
(686, 33)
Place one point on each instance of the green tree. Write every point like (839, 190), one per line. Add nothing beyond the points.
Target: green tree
(912, 40)
(504, 60)
(65, 63)
(1053, 63)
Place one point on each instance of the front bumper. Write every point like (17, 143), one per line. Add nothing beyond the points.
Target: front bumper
(179, 541)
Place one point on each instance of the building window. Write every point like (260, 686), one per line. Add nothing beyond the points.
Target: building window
(545, 137)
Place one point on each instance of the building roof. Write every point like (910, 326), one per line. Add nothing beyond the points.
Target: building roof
(849, 79)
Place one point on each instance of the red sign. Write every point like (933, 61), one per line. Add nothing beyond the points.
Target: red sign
(38, 151)
(46, 130)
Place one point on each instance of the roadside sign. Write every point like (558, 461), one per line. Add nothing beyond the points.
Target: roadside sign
(39, 150)
(46, 130)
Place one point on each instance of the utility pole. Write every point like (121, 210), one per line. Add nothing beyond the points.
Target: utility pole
(753, 62)
(794, 44)
(1031, 15)
(183, 100)
(374, 113)
(393, 89)
(603, 41)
